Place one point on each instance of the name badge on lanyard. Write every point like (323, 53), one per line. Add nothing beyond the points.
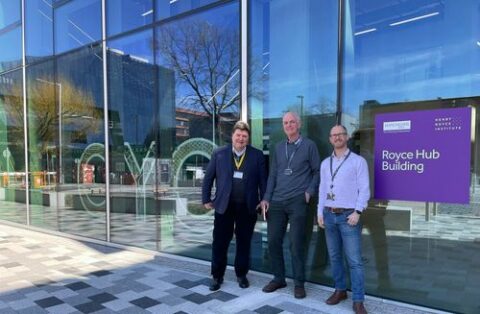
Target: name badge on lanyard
(237, 174)
(288, 171)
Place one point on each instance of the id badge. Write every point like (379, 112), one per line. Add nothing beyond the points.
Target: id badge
(288, 172)
(330, 196)
(238, 175)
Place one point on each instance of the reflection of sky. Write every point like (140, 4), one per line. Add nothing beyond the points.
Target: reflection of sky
(11, 37)
(127, 14)
(77, 23)
(168, 8)
(39, 28)
(138, 45)
(294, 43)
(418, 50)
(11, 48)
(9, 12)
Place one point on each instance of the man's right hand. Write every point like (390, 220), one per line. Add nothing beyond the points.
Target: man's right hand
(208, 205)
(265, 206)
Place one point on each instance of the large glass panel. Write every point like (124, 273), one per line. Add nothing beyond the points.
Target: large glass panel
(169, 8)
(292, 66)
(198, 93)
(43, 98)
(410, 50)
(124, 15)
(12, 149)
(10, 12)
(411, 56)
(11, 51)
(77, 23)
(131, 81)
(81, 156)
(38, 29)
(10, 34)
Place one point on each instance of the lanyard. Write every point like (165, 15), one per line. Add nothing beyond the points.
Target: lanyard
(289, 159)
(333, 174)
(238, 164)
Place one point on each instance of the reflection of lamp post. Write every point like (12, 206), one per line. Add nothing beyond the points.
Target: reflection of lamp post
(301, 104)
(7, 154)
(59, 125)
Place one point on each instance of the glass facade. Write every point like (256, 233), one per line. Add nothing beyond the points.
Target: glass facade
(107, 133)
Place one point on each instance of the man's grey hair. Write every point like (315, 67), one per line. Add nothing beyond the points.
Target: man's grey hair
(293, 113)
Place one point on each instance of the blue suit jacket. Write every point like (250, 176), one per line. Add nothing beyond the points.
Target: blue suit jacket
(220, 169)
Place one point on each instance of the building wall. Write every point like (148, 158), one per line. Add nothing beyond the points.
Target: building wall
(106, 133)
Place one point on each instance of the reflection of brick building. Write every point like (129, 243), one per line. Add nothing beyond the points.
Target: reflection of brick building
(192, 124)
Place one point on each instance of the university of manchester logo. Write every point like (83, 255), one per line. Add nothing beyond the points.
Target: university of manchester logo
(397, 126)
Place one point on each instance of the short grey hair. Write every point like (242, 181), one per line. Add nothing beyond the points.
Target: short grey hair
(293, 113)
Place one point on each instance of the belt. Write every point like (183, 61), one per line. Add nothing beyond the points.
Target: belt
(336, 210)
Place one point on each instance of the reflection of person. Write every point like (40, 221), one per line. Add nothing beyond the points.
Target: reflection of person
(292, 181)
(343, 195)
(240, 175)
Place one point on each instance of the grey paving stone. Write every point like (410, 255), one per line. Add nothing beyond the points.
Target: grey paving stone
(197, 298)
(178, 291)
(11, 296)
(145, 302)
(297, 308)
(267, 309)
(89, 307)
(222, 296)
(102, 297)
(21, 304)
(187, 284)
(172, 300)
(48, 302)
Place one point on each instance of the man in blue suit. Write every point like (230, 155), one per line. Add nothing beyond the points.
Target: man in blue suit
(241, 179)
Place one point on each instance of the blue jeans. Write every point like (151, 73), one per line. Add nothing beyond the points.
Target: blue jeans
(343, 238)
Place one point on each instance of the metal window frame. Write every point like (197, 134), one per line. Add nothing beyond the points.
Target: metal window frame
(105, 123)
(25, 128)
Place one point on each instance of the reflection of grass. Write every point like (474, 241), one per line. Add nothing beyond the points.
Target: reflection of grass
(197, 209)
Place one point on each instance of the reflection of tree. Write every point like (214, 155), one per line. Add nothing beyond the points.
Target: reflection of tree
(205, 58)
(324, 105)
(79, 112)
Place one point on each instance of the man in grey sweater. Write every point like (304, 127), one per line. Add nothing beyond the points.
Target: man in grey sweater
(293, 180)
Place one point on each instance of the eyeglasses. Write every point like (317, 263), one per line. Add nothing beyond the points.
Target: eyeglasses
(338, 134)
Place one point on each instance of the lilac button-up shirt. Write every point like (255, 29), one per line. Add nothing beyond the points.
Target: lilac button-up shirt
(350, 185)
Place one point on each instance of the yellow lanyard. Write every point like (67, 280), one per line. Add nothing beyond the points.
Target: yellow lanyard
(238, 164)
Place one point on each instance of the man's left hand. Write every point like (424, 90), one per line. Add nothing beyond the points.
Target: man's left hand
(353, 218)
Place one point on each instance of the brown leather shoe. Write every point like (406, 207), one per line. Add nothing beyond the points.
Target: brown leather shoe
(358, 308)
(299, 292)
(336, 297)
(273, 285)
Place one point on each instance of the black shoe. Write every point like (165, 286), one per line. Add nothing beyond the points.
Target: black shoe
(273, 285)
(299, 292)
(243, 282)
(215, 284)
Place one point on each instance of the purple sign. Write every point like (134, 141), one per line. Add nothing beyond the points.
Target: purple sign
(423, 155)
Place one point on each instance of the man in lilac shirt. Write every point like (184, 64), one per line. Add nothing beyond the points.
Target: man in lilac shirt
(343, 195)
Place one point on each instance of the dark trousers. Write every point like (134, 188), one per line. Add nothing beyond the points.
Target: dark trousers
(293, 210)
(235, 219)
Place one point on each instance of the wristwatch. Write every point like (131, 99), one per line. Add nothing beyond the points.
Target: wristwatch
(358, 212)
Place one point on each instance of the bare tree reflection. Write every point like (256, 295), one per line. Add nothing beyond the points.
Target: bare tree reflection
(205, 59)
